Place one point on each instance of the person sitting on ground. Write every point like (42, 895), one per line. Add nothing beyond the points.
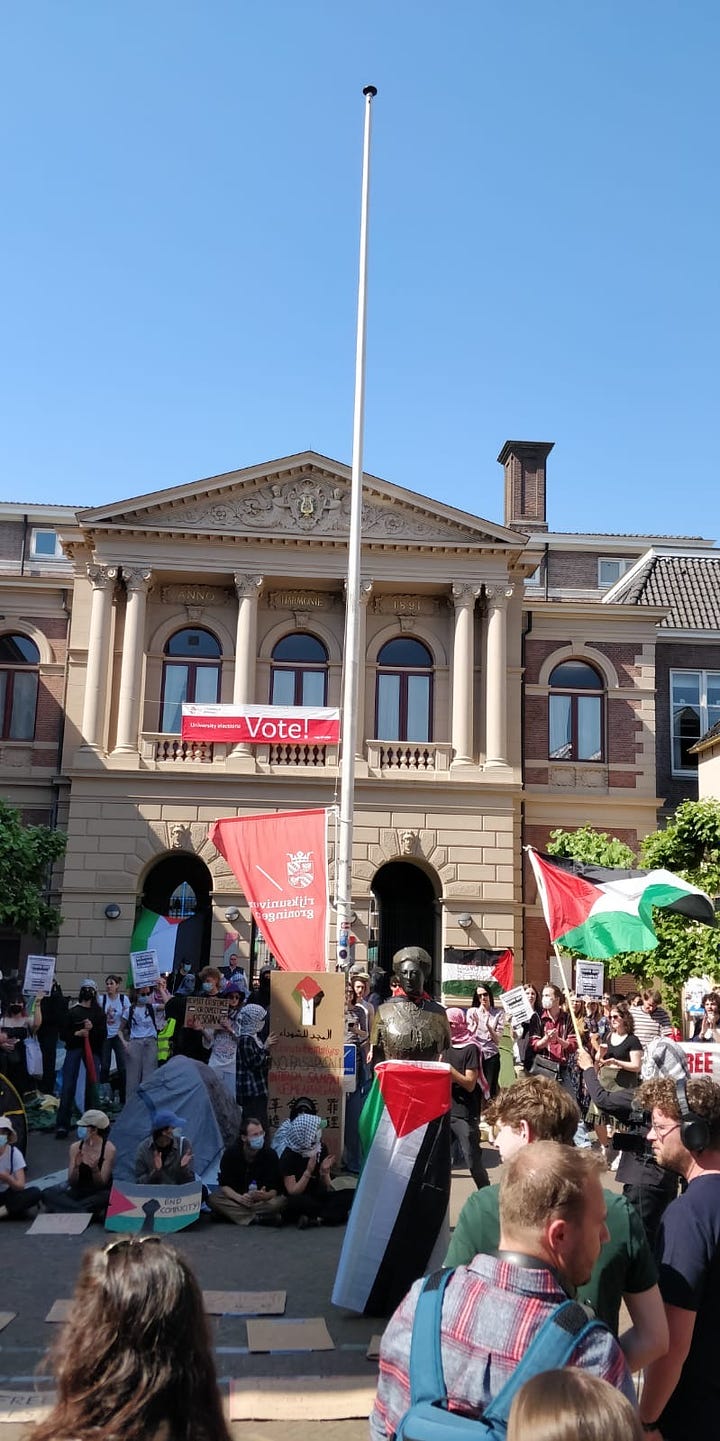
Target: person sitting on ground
(301, 1106)
(535, 1110)
(571, 1405)
(251, 1186)
(552, 1228)
(165, 1158)
(16, 1199)
(90, 1168)
(134, 1360)
(306, 1166)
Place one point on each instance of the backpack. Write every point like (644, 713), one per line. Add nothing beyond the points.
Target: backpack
(428, 1418)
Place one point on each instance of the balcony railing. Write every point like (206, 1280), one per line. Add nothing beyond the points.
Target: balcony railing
(172, 749)
(409, 756)
(398, 757)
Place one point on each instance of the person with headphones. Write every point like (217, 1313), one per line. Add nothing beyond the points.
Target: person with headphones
(682, 1391)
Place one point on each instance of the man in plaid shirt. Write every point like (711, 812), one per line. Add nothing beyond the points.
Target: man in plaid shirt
(552, 1226)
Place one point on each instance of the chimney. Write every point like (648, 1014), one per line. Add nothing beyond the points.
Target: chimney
(525, 467)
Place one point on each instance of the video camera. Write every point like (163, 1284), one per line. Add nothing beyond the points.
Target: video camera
(634, 1139)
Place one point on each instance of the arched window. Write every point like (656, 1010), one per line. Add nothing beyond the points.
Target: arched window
(19, 661)
(299, 671)
(403, 697)
(191, 672)
(576, 712)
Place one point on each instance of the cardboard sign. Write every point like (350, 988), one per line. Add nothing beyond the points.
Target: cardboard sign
(145, 968)
(307, 1058)
(24, 1406)
(153, 1209)
(6, 1317)
(516, 1004)
(306, 1398)
(207, 1010)
(311, 1335)
(60, 1223)
(703, 1060)
(39, 974)
(590, 979)
(261, 725)
(244, 1303)
(59, 1311)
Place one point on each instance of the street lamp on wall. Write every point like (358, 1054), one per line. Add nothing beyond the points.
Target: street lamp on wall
(112, 910)
(465, 920)
(232, 913)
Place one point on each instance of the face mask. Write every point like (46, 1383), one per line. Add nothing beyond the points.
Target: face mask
(207, 987)
(256, 1143)
(3, 1142)
(177, 1133)
(82, 1133)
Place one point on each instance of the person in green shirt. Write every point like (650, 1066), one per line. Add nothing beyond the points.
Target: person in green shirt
(536, 1109)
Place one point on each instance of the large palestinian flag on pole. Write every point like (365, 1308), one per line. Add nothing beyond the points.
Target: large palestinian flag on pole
(404, 1190)
(602, 912)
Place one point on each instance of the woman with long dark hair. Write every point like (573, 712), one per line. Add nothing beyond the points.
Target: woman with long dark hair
(133, 1361)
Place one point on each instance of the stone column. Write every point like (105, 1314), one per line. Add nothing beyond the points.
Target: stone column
(498, 599)
(102, 578)
(131, 669)
(248, 589)
(464, 597)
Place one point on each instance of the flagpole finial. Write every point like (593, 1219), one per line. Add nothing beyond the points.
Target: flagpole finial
(370, 90)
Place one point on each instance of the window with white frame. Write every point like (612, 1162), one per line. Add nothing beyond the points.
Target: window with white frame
(45, 544)
(694, 708)
(610, 569)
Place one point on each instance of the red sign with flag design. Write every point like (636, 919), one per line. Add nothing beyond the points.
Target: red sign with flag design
(280, 862)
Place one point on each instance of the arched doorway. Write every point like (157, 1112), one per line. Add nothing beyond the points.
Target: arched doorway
(407, 913)
(179, 886)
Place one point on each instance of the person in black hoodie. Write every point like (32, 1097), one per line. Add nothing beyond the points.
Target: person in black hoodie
(84, 1033)
(53, 1011)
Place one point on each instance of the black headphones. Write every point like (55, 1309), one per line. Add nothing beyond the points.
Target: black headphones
(694, 1130)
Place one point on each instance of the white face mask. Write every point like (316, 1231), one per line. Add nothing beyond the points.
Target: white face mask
(3, 1140)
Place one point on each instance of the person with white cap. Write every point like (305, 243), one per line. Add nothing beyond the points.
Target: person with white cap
(165, 1158)
(90, 1168)
(84, 1033)
(16, 1199)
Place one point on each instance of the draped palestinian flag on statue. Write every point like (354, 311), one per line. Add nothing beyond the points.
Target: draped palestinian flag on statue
(602, 912)
(403, 1194)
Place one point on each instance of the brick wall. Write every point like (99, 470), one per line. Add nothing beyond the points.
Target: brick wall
(11, 534)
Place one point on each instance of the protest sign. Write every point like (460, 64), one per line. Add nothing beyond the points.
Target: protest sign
(145, 968)
(39, 974)
(206, 1010)
(516, 1004)
(153, 1208)
(703, 1060)
(590, 979)
(307, 1058)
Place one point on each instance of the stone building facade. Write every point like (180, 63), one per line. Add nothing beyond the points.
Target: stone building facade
(231, 589)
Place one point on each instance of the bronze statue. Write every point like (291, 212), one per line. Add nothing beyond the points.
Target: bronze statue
(410, 1027)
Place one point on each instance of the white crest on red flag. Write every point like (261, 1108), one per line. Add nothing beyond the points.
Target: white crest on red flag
(280, 863)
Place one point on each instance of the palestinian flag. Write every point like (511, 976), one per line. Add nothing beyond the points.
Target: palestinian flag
(463, 970)
(602, 912)
(403, 1194)
(175, 940)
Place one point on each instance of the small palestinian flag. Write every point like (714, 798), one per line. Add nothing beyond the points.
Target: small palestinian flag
(602, 912)
(403, 1194)
(463, 970)
(173, 940)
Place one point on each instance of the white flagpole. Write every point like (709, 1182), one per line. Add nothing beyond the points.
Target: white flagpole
(352, 596)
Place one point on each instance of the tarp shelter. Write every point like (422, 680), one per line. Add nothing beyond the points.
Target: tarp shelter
(192, 1090)
(11, 1106)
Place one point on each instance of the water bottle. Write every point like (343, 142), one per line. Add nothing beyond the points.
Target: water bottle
(252, 1186)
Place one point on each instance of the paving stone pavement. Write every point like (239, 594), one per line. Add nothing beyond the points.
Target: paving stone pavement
(36, 1270)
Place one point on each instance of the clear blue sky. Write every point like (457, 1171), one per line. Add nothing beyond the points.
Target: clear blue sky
(178, 248)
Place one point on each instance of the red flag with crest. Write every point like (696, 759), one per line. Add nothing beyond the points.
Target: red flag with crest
(280, 862)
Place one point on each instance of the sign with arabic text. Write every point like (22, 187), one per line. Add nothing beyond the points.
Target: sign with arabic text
(307, 1015)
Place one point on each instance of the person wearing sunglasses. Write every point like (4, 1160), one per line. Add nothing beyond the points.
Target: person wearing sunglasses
(487, 1022)
(134, 1359)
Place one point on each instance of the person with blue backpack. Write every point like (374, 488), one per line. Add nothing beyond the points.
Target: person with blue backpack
(463, 1342)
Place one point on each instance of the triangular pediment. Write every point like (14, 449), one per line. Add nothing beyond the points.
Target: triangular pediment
(304, 494)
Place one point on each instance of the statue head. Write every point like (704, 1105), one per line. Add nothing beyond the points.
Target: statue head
(179, 836)
(408, 843)
(411, 968)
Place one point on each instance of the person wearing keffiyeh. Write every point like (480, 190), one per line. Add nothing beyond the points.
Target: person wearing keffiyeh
(463, 1058)
(253, 1063)
(306, 1165)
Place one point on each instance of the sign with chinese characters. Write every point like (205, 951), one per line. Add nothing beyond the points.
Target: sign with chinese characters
(307, 1015)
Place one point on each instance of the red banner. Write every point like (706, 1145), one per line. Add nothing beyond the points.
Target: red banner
(280, 861)
(261, 725)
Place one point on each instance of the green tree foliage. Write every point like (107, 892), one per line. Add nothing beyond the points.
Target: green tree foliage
(689, 846)
(26, 856)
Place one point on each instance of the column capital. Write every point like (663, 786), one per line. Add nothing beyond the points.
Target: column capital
(101, 577)
(247, 586)
(136, 577)
(464, 595)
(498, 597)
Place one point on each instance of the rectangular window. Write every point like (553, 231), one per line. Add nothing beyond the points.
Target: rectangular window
(694, 708)
(388, 707)
(610, 568)
(283, 687)
(418, 708)
(560, 727)
(313, 687)
(45, 545)
(176, 684)
(589, 725)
